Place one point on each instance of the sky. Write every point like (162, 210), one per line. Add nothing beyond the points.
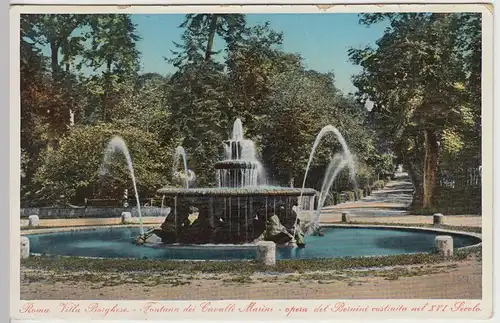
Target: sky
(321, 39)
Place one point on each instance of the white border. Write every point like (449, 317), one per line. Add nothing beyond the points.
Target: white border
(487, 127)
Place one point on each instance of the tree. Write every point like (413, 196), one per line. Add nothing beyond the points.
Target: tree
(302, 103)
(60, 33)
(196, 123)
(415, 78)
(251, 67)
(204, 28)
(113, 51)
(63, 36)
(148, 106)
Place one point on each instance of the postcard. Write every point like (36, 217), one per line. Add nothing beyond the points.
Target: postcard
(281, 162)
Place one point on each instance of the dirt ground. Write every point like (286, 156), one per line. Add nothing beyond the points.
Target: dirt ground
(457, 280)
(326, 217)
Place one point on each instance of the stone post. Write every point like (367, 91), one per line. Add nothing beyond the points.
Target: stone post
(126, 217)
(266, 253)
(438, 219)
(25, 247)
(345, 217)
(33, 220)
(444, 245)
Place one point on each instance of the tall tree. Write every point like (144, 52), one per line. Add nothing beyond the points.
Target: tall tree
(415, 77)
(204, 28)
(63, 35)
(251, 67)
(114, 53)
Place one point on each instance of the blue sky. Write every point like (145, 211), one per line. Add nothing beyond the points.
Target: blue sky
(321, 39)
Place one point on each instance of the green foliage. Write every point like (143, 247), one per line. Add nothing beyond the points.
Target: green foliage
(416, 109)
(378, 185)
(197, 93)
(282, 104)
(201, 30)
(71, 173)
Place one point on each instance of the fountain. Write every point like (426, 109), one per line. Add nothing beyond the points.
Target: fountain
(242, 209)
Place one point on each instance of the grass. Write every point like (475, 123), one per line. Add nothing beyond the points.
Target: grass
(100, 273)
(109, 266)
(241, 279)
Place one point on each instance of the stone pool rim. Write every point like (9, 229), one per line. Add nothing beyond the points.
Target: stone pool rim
(339, 225)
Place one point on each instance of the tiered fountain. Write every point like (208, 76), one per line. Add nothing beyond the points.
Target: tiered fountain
(242, 209)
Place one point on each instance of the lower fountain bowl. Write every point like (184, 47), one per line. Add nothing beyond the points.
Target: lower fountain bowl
(338, 241)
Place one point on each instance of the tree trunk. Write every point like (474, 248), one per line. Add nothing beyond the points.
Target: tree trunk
(417, 186)
(211, 36)
(107, 87)
(430, 167)
(415, 180)
(54, 56)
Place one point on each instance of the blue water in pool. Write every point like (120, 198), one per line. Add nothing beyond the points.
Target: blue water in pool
(337, 242)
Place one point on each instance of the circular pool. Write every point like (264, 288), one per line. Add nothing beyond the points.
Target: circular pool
(118, 242)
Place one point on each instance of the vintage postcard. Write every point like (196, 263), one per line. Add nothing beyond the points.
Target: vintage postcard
(281, 162)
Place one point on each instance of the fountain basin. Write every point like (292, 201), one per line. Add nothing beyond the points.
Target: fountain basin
(338, 241)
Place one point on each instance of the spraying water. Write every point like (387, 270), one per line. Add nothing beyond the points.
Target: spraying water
(240, 151)
(338, 162)
(118, 144)
(180, 152)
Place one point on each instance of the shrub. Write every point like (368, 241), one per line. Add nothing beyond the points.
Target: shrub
(350, 196)
(378, 185)
(338, 199)
(330, 200)
(71, 173)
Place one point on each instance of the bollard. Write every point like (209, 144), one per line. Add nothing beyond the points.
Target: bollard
(266, 253)
(33, 220)
(444, 245)
(126, 217)
(345, 217)
(25, 247)
(438, 219)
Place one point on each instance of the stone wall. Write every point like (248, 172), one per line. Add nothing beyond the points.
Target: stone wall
(91, 212)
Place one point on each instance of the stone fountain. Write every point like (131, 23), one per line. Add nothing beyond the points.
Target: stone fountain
(242, 209)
